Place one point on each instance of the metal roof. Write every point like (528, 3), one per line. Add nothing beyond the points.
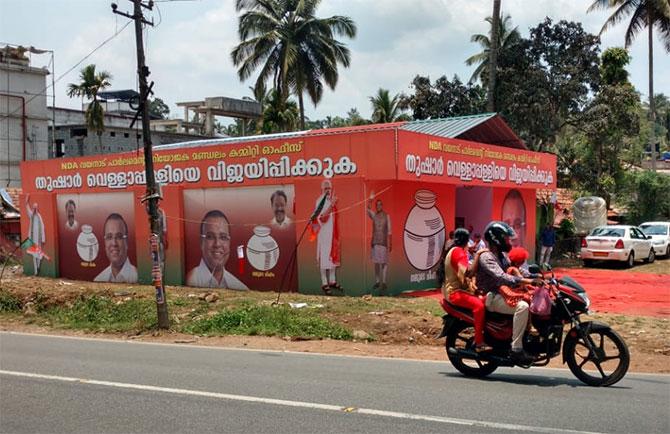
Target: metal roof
(487, 128)
(484, 128)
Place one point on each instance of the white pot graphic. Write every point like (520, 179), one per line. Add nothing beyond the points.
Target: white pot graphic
(87, 246)
(262, 249)
(424, 232)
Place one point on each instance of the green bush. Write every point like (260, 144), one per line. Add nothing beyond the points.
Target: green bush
(647, 196)
(268, 321)
(9, 302)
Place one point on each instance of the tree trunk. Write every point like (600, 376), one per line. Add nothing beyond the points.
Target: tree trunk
(493, 57)
(652, 106)
(301, 104)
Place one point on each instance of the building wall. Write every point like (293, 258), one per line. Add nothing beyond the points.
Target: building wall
(21, 85)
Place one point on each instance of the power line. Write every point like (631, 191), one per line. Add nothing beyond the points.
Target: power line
(72, 68)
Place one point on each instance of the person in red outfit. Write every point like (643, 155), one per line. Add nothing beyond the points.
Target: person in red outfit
(451, 275)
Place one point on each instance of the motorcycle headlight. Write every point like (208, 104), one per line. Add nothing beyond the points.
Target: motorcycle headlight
(586, 299)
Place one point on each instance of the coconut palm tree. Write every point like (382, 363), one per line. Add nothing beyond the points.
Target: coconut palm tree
(292, 47)
(91, 84)
(278, 115)
(385, 109)
(642, 13)
(507, 36)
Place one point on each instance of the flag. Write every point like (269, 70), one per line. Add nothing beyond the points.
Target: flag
(37, 252)
(26, 243)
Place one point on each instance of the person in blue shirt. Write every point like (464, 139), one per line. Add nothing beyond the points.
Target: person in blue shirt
(548, 239)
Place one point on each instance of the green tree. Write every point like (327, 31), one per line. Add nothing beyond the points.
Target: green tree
(279, 116)
(158, 108)
(444, 98)
(613, 68)
(643, 14)
(292, 47)
(386, 109)
(90, 84)
(507, 35)
(545, 81)
(648, 196)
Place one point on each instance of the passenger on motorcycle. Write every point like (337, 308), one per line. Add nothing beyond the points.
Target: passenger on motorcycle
(492, 279)
(451, 275)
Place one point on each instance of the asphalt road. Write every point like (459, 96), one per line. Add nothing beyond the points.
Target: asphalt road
(55, 384)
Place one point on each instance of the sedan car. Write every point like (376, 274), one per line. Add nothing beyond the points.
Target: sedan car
(617, 243)
(660, 236)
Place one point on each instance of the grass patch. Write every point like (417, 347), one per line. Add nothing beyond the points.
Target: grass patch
(101, 314)
(9, 302)
(268, 321)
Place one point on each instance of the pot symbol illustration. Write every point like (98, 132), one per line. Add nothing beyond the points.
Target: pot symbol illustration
(262, 249)
(424, 232)
(87, 246)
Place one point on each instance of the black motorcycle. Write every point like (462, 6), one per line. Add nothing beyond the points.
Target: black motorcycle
(596, 354)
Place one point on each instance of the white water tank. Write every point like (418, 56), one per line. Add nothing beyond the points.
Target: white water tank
(589, 212)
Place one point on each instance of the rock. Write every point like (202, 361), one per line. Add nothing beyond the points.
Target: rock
(411, 339)
(367, 297)
(361, 335)
(29, 309)
(212, 297)
(192, 295)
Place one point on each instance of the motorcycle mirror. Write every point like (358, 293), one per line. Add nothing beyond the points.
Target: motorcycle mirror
(546, 267)
(535, 269)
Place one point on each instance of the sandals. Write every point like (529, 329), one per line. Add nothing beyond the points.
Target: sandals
(326, 290)
(335, 286)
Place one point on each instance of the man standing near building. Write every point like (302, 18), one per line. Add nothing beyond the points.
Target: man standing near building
(36, 234)
(380, 243)
(215, 248)
(120, 270)
(548, 238)
(328, 237)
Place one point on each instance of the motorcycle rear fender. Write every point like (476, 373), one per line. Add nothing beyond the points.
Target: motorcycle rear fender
(448, 322)
(576, 330)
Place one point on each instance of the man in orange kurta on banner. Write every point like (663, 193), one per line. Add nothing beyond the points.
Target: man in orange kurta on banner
(328, 237)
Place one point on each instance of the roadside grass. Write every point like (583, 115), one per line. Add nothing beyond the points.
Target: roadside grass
(9, 302)
(263, 320)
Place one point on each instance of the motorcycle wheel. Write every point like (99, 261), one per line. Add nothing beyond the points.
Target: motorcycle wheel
(462, 336)
(609, 361)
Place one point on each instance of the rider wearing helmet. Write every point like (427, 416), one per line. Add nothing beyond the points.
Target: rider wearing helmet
(492, 278)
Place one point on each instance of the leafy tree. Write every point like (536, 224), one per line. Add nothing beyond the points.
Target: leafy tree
(545, 81)
(291, 46)
(91, 83)
(613, 68)
(643, 13)
(279, 116)
(354, 118)
(158, 108)
(444, 98)
(648, 196)
(507, 35)
(386, 109)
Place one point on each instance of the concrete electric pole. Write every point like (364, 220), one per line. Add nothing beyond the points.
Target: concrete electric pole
(153, 194)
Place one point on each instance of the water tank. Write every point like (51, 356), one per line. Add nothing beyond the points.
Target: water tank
(589, 213)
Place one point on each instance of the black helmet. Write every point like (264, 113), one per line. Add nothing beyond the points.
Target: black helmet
(498, 234)
(461, 237)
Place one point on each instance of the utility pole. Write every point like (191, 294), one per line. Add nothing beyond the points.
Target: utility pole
(493, 56)
(153, 194)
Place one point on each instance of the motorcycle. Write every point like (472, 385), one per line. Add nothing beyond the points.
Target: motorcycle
(595, 354)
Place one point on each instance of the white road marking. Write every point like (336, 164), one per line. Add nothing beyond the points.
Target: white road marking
(301, 404)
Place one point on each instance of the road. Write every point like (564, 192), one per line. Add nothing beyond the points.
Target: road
(59, 384)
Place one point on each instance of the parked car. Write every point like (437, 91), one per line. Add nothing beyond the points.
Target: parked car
(660, 236)
(617, 243)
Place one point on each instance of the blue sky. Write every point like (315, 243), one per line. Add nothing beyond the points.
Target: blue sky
(189, 51)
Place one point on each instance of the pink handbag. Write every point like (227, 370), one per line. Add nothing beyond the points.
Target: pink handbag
(540, 304)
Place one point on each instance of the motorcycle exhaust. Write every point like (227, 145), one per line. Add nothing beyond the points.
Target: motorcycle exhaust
(473, 355)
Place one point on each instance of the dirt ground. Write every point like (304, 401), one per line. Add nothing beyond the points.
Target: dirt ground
(401, 327)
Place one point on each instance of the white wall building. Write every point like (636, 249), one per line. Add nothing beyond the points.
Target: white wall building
(23, 114)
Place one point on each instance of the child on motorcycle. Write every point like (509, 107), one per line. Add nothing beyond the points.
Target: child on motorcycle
(455, 288)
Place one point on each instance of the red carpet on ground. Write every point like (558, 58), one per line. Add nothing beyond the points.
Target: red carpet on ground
(613, 291)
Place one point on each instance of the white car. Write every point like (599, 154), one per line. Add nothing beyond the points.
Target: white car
(617, 243)
(660, 236)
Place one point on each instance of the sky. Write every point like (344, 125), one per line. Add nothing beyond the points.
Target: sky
(188, 50)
